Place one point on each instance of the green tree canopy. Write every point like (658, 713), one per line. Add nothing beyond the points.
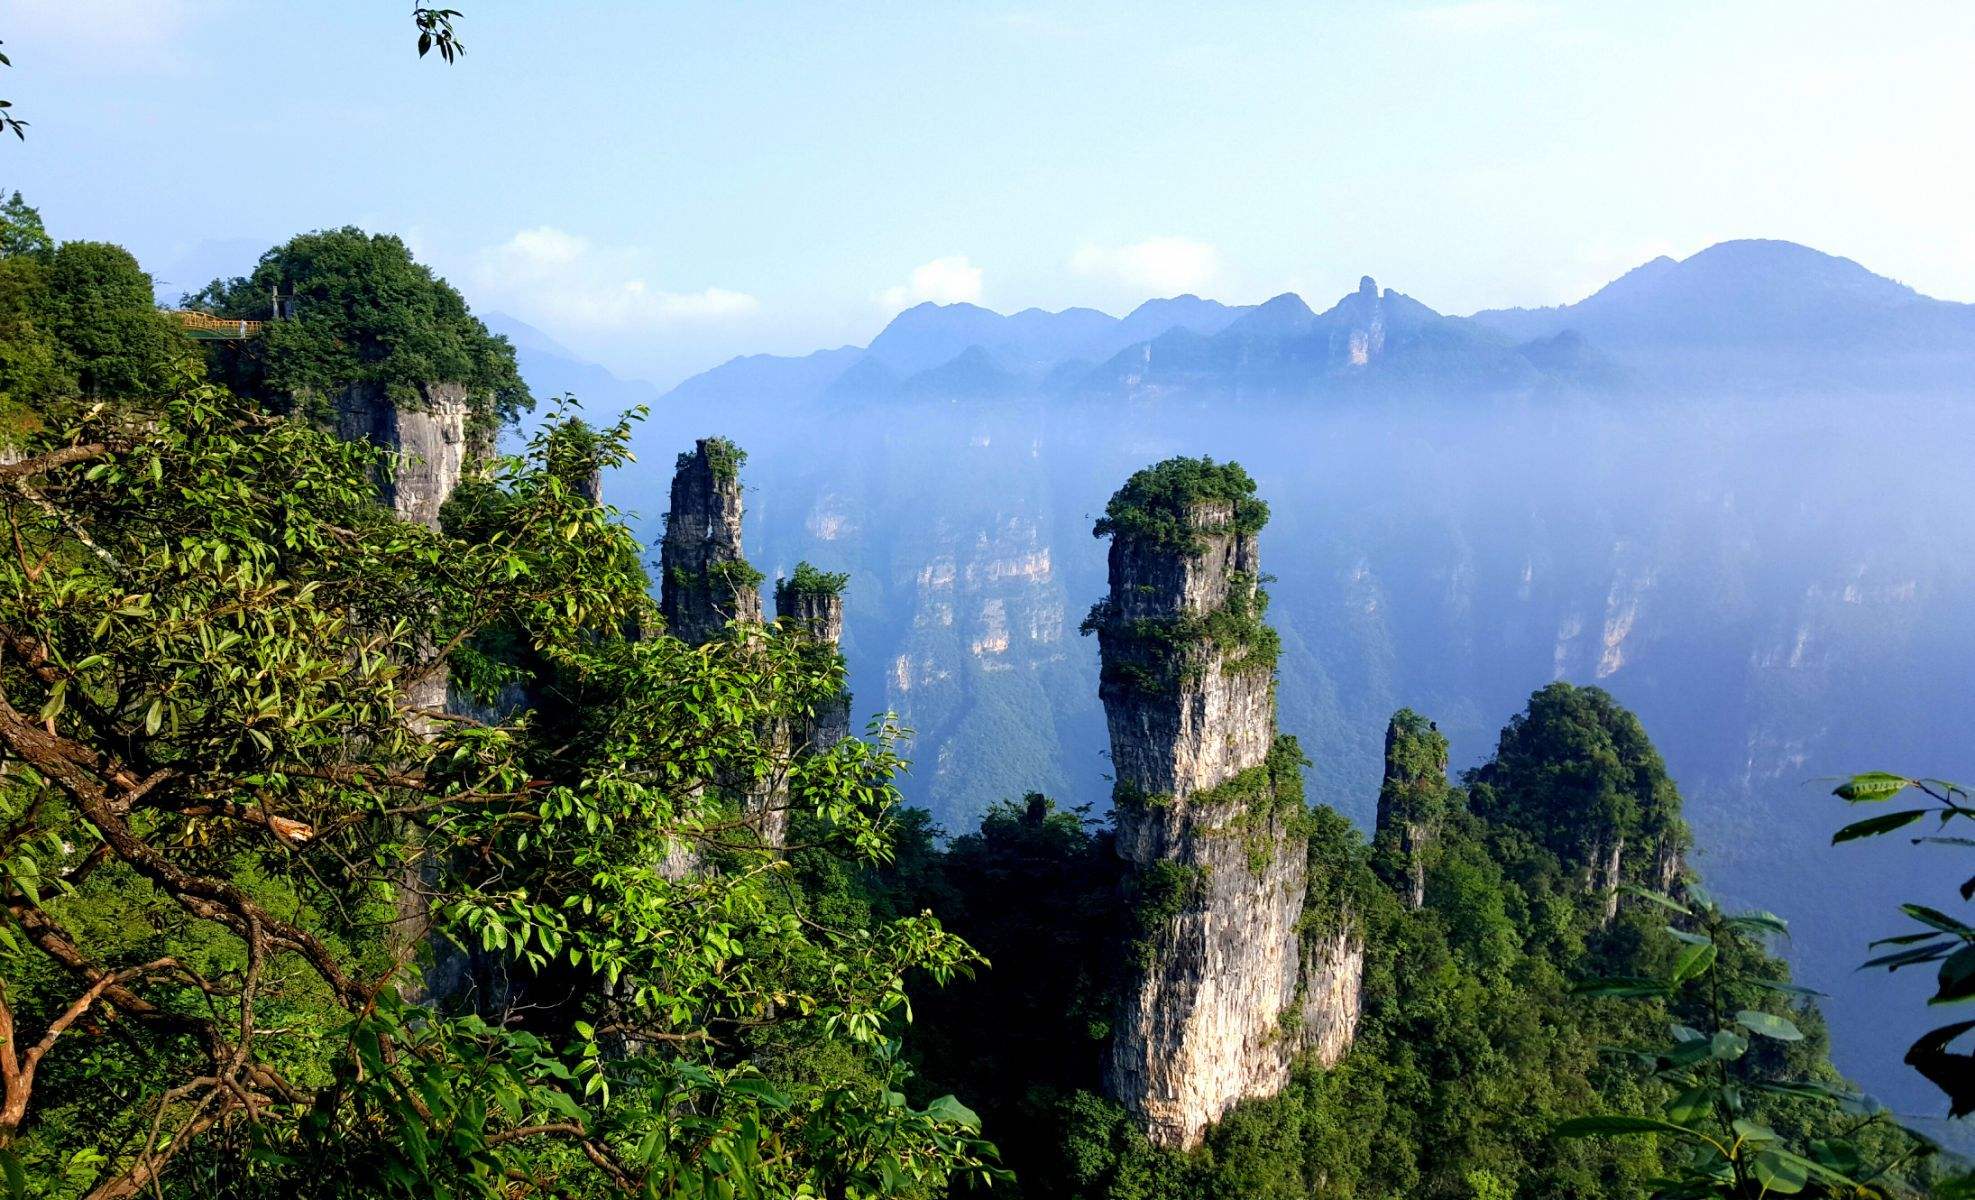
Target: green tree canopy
(1575, 769)
(100, 308)
(358, 309)
(1156, 503)
(21, 230)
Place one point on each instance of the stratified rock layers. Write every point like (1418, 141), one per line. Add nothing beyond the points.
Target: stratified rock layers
(1227, 995)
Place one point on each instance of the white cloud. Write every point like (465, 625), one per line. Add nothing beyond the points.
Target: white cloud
(564, 278)
(1476, 16)
(950, 280)
(1165, 266)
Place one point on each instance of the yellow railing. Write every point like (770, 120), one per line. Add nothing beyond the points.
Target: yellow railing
(205, 325)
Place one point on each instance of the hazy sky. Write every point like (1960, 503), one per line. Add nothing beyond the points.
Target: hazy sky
(663, 185)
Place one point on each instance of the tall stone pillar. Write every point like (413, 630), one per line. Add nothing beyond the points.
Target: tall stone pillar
(1412, 799)
(812, 601)
(705, 581)
(427, 442)
(1209, 813)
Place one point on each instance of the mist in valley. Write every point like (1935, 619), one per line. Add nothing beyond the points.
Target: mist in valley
(1779, 586)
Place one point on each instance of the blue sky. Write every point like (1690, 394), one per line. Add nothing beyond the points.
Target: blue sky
(662, 186)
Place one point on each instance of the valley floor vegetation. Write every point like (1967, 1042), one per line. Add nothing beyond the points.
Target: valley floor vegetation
(342, 856)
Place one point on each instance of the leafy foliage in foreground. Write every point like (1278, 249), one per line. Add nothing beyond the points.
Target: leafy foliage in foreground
(1744, 1119)
(234, 825)
(1941, 938)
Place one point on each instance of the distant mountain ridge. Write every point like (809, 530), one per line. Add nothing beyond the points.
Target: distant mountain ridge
(1764, 313)
(1751, 315)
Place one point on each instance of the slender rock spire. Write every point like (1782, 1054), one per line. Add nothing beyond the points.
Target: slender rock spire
(705, 581)
(1227, 993)
(812, 601)
(1412, 799)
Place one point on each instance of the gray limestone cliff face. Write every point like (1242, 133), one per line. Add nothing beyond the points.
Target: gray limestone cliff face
(1332, 992)
(1412, 798)
(1204, 731)
(705, 581)
(1228, 996)
(427, 441)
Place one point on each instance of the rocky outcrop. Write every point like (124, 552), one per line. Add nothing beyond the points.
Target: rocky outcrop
(705, 581)
(816, 610)
(426, 440)
(1669, 863)
(1365, 336)
(1333, 966)
(1227, 992)
(1412, 799)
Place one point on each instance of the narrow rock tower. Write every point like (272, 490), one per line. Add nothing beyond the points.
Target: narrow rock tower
(1412, 800)
(812, 601)
(705, 581)
(1225, 995)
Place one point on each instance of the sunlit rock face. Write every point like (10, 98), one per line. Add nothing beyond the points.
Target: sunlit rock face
(1211, 727)
(426, 439)
(703, 583)
(1226, 996)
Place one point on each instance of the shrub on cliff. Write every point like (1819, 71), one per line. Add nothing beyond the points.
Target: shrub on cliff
(1156, 503)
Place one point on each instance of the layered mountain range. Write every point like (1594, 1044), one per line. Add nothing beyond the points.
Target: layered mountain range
(1751, 315)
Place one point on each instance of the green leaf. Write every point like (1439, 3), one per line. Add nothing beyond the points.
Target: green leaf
(1660, 898)
(1936, 918)
(1957, 977)
(946, 1108)
(1871, 787)
(1623, 987)
(10, 1167)
(757, 1088)
(1874, 826)
(1934, 949)
(1694, 1104)
(1756, 918)
(1693, 961)
(1780, 1172)
(1727, 1045)
(1769, 1025)
(1777, 985)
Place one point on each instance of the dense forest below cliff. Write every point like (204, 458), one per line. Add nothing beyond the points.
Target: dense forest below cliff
(376, 823)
